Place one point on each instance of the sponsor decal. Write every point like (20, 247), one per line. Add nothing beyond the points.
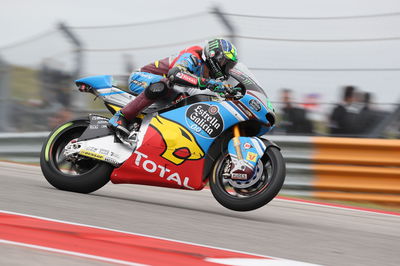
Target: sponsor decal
(216, 99)
(115, 155)
(92, 149)
(255, 105)
(180, 144)
(213, 45)
(247, 82)
(104, 151)
(160, 170)
(98, 122)
(244, 109)
(251, 156)
(247, 146)
(92, 154)
(97, 118)
(239, 176)
(205, 120)
(188, 78)
(143, 84)
(112, 161)
(180, 98)
(213, 110)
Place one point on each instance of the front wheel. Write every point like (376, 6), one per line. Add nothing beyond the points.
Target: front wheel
(83, 175)
(254, 193)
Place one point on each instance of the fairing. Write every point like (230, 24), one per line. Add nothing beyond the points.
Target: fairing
(173, 143)
(173, 149)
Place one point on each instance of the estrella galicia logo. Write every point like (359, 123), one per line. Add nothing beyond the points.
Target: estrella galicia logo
(205, 120)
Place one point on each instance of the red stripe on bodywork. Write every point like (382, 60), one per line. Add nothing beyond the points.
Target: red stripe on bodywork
(107, 243)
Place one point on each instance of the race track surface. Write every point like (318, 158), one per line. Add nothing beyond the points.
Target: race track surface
(284, 229)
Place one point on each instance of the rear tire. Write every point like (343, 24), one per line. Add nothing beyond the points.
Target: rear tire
(83, 176)
(256, 196)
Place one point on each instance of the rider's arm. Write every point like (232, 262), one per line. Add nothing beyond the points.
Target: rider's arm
(184, 73)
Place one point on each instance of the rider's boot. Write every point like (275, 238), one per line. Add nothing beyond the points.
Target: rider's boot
(121, 119)
(119, 122)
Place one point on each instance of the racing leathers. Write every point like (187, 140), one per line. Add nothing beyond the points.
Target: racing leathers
(154, 81)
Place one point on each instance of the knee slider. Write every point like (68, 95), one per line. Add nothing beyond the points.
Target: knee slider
(156, 90)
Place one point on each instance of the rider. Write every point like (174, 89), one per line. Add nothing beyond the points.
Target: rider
(193, 67)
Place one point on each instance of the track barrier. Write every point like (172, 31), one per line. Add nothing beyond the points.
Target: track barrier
(324, 167)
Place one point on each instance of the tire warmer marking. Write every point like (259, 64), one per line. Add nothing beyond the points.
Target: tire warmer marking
(47, 150)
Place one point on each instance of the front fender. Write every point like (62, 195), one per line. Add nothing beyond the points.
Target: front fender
(245, 154)
(246, 150)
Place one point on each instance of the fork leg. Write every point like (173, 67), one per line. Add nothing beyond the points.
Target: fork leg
(236, 141)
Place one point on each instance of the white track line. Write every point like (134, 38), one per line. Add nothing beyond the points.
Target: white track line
(66, 252)
(262, 261)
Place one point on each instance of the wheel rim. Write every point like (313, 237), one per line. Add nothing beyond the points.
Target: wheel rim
(59, 161)
(264, 169)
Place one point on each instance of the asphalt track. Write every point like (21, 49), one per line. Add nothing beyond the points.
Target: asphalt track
(285, 229)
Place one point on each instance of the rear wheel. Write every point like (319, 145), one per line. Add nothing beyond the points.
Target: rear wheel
(83, 175)
(253, 193)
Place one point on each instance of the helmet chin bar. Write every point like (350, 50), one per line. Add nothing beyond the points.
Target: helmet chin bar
(214, 68)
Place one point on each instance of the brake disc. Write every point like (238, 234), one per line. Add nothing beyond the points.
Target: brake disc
(258, 172)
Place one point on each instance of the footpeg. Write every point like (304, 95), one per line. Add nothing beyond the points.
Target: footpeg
(130, 140)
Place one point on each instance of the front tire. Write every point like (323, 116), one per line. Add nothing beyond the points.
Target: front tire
(259, 193)
(84, 175)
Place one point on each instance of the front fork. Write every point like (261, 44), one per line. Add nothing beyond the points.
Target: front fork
(236, 141)
(245, 153)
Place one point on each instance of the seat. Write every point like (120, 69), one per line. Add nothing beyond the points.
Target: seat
(96, 82)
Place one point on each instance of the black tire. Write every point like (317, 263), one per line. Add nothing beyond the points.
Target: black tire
(83, 176)
(274, 172)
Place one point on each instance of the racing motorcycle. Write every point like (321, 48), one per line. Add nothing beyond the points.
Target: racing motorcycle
(194, 138)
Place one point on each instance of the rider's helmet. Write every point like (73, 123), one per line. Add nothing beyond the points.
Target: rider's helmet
(220, 57)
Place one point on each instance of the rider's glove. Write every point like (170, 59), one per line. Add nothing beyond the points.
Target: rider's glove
(215, 86)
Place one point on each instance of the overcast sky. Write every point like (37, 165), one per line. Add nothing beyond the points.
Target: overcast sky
(22, 19)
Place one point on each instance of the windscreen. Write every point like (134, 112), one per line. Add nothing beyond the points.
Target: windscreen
(241, 74)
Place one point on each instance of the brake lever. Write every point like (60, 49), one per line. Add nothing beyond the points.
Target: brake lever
(230, 93)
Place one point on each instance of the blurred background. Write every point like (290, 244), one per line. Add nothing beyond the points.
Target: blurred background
(329, 67)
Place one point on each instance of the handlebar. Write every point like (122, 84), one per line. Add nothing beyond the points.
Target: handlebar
(233, 92)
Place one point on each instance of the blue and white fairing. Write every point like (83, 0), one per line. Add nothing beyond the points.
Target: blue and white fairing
(102, 86)
(208, 120)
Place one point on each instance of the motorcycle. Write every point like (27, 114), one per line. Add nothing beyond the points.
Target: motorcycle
(195, 137)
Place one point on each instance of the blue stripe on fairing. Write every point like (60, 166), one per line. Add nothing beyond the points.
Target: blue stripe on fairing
(111, 93)
(244, 116)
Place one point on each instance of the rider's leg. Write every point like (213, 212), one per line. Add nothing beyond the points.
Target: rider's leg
(153, 92)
